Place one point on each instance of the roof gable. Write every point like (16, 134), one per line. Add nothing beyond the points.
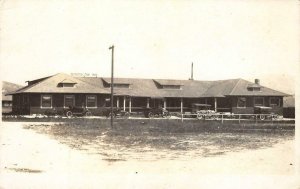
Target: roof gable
(241, 89)
(50, 85)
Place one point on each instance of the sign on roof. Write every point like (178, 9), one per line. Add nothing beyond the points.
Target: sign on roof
(84, 74)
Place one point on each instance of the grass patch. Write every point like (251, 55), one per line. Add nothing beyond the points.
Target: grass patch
(162, 139)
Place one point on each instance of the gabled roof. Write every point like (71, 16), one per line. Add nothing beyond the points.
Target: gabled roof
(8, 87)
(221, 88)
(238, 87)
(50, 85)
(149, 87)
(241, 90)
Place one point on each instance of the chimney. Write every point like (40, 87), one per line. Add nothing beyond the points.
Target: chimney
(192, 70)
(256, 81)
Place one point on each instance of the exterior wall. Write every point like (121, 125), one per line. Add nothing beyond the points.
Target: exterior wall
(289, 112)
(31, 104)
(224, 105)
(58, 103)
(138, 104)
(249, 109)
(21, 104)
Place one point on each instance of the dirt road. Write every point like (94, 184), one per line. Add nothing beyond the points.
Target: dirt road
(31, 160)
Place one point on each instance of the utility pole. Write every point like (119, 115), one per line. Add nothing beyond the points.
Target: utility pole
(112, 87)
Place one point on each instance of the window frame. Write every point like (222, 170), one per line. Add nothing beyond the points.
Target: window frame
(237, 103)
(274, 105)
(65, 100)
(260, 97)
(86, 101)
(42, 107)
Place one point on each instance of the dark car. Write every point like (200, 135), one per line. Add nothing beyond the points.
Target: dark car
(117, 112)
(156, 112)
(77, 111)
(265, 112)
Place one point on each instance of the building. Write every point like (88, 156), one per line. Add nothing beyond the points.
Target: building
(8, 87)
(61, 90)
(289, 106)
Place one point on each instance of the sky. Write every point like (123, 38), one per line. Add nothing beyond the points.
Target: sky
(153, 39)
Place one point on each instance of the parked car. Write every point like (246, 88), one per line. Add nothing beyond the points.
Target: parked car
(77, 111)
(265, 112)
(203, 111)
(117, 112)
(156, 112)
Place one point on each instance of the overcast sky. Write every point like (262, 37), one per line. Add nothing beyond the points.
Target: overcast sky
(153, 39)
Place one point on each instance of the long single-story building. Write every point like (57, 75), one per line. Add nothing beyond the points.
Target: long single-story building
(133, 95)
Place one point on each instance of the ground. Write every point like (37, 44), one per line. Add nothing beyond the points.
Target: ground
(55, 155)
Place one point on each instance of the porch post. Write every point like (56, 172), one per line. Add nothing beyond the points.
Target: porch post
(216, 104)
(148, 102)
(129, 104)
(181, 105)
(118, 103)
(124, 103)
(165, 103)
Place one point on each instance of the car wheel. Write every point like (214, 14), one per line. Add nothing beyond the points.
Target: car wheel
(262, 117)
(127, 114)
(113, 114)
(199, 116)
(88, 113)
(150, 115)
(69, 114)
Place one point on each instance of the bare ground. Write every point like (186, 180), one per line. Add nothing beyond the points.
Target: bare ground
(66, 156)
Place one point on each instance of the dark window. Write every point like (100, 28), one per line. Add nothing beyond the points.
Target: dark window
(274, 102)
(91, 101)
(46, 101)
(119, 85)
(253, 88)
(256, 88)
(69, 100)
(241, 102)
(68, 84)
(258, 101)
(171, 87)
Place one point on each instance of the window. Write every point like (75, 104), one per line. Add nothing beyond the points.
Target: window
(274, 102)
(69, 100)
(46, 101)
(253, 88)
(258, 101)
(171, 87)
(256, 88)
(68, 84)
(241, 103)
(91, 101)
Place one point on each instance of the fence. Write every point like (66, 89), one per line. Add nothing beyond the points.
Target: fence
(237, 117)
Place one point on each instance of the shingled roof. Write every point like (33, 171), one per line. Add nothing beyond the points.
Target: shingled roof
(50, 85)
(149, 87)
(238, 87)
